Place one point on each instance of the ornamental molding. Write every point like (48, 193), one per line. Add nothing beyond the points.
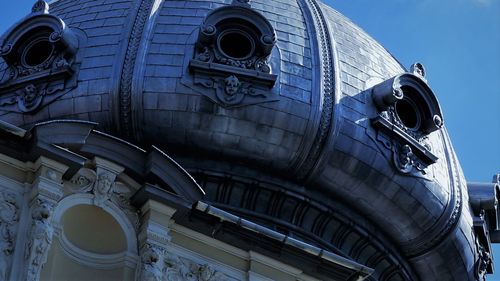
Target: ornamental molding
(159, 264)
(182, 269)
(154, 234)
(153, 240)
(410, 158)
(120, 197)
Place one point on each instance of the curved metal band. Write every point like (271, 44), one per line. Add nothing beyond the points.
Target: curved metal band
(125, 120)
(327, 76)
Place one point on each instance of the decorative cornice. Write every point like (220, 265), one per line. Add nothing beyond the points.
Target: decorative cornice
(324, 223)
(327, 89)
(125, 88)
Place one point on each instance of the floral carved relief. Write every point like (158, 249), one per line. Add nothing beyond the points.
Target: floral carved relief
(9, 220)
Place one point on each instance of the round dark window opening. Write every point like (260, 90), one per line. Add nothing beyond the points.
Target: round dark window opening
(37, 52)
(236, 44)
(408, 112)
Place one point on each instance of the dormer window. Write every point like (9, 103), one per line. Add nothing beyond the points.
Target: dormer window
(243, 50)
(40, 53)
(408, 113)
(234, 44)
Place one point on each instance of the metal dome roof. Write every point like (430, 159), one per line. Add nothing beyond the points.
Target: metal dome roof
(301, 115)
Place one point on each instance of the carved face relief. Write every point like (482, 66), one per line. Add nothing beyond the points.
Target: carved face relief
(29, 98)
(206, 272)
(151, 256)
(232, 85)
(29, 93)
(103, 184)
(152, 264)
(103, 188)
(42, 211)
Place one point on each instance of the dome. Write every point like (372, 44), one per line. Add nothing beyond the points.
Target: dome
(285, 112)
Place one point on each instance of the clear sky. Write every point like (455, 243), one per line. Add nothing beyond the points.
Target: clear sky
(458, 41)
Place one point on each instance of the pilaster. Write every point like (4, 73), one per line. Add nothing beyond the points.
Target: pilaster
(43, 197)
(154, 239)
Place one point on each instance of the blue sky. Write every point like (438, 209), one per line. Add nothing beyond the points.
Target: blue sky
(458, 41)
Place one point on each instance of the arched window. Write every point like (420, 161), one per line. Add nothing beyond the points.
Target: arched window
(90, 242)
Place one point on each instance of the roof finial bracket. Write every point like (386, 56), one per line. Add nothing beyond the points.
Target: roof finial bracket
(244, 3)
(418, 69)
(40, 7)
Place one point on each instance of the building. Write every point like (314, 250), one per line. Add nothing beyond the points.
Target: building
(226, 140)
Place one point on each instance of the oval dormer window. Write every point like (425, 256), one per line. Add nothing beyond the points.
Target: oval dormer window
(410, 109)
(408, 112)
(236, 44)
(37, 52)
(40, 54)
(231, 59)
